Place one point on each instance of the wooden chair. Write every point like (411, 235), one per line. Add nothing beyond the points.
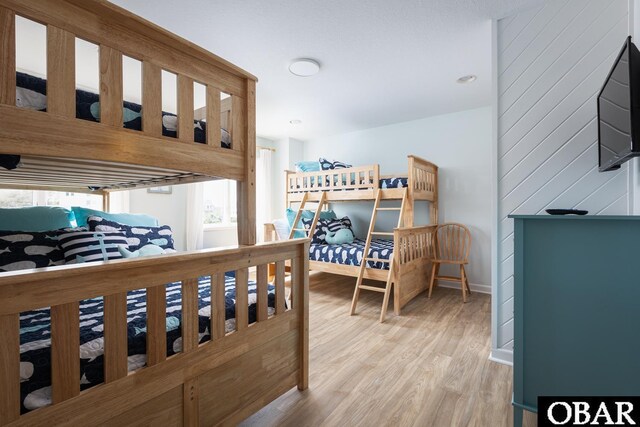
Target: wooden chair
(451, 245)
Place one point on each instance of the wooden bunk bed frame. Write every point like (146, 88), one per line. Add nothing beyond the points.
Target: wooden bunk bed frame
(220, 381)
(412, 246)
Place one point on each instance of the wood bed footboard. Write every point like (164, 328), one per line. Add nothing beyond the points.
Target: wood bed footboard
(221, 381)
(412, 252)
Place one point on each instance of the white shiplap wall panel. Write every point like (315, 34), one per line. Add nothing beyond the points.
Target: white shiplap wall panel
(550, 35)
(535, 64)
(552, 61)
(522, 41)
(566, 72)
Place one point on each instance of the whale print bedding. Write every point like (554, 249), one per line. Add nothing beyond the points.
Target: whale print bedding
(351, 253)
(35, 336)
(31, 93)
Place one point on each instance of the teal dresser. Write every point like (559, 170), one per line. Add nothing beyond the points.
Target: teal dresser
(576, 308)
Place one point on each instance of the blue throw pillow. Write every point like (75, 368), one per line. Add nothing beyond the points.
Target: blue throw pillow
(307, 166)
(36, 218)
(291, 216)
(137, 235)
(82, 214)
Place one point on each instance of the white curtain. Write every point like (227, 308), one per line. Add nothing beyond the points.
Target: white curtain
(195, 216)
(264, 188)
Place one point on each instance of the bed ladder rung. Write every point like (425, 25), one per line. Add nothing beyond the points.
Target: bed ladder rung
(389, 209)
(381, 233)
(378, 260)
(372, 288)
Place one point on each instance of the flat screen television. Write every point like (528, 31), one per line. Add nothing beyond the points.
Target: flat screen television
(619, 111)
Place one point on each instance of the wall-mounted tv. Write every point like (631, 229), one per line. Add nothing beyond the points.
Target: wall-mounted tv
(619, 111)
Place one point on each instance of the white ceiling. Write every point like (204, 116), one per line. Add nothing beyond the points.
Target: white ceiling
(383, 61)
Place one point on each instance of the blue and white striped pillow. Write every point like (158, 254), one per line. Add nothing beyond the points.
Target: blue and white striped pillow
(87, 246)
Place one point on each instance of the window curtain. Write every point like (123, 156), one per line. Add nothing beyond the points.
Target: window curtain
(195, 216)
(264, 166)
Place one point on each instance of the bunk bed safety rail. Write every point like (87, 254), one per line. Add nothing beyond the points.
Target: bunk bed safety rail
(63, 288)
(119, 33)
(349, 179)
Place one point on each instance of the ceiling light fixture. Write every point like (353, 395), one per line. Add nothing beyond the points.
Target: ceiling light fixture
(295, 122)
(304, 67)
(467, 79)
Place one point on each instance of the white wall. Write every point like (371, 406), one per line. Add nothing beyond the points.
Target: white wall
(459, 143)
(170, 209)
(551, 63)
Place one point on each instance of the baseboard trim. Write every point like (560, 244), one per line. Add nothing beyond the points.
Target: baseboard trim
(475, 287)
(500, 355)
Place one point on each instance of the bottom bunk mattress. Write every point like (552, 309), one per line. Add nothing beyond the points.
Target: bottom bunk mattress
(35, 336)
(351, 253)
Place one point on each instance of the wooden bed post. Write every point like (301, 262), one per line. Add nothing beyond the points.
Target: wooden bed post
(106, 201)
(7, 57)
(301, 277)
(246, 189)
(433, 207)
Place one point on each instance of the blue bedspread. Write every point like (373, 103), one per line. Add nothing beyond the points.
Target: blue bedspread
(35, 334)
(351, 254)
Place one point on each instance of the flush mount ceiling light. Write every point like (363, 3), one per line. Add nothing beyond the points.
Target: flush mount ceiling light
(467, 79)
(295, 122)
(304, 67)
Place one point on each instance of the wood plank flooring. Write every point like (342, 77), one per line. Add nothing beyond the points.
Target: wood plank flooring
(428, 367)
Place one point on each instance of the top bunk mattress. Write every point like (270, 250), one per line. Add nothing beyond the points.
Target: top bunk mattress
(31, 93)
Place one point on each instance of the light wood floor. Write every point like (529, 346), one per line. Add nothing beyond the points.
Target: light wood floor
(428, 367)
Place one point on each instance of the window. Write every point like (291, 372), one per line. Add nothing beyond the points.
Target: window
(220, 203)
(22, 198)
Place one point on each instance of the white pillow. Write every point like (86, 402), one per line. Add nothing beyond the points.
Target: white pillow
(282, 229)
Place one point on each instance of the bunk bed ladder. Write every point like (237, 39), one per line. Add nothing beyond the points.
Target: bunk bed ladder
(365, 255)
(316, 217)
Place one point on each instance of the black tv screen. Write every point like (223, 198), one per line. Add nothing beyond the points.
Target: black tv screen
(618, 112)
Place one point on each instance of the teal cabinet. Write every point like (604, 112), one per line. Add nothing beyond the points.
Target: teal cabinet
(576, 308)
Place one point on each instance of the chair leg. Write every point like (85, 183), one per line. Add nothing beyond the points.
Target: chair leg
(462, 284)
(466, 280)
(433, 278)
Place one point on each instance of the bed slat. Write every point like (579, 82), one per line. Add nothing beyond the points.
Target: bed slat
(110, 86)
(61, 72)
(262, 290)
(151, 99)
(280, 296)
(185, 109)
(213, 117)
(7, 57)
(189, 314)
(242, 299)
(65, 344)
(156, 324)
(9, 368)
(115, 336)
(217, 306)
